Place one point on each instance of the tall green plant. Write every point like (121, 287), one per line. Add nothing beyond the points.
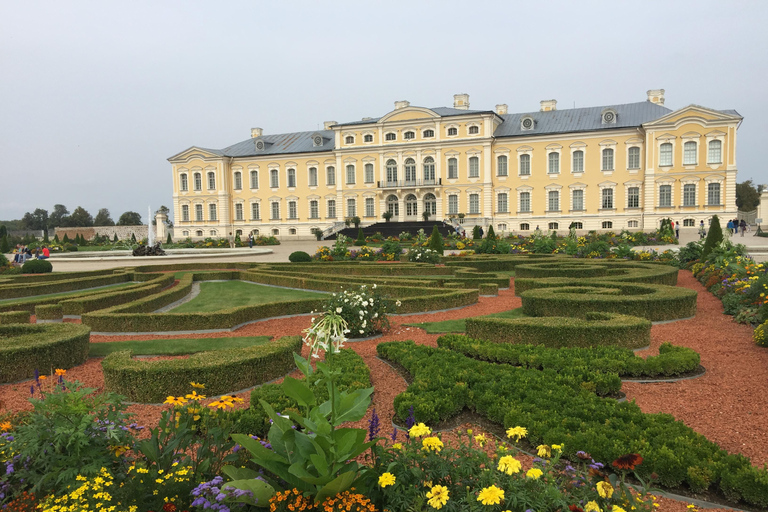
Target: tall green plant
(714, 237)
(5, 247)
(436, 240)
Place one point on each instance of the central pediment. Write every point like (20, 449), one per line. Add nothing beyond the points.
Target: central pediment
(409, 114)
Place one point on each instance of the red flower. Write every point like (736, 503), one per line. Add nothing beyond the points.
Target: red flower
(169, 507)
(575, 508)
(628, 461)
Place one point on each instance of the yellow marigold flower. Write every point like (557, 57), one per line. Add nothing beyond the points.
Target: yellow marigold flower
(438, 496)
(480, 439)
(59, 372)
(491, 495)
(386, 479)
(557, 447)
(605, 490)
(419, 430)
(509, 465)
(617, 508)
(543, 451)
(397, 446)
(42, 377)
(592, 507)
(517, 432)
(534, 473)
(194, 396)
(432, 444)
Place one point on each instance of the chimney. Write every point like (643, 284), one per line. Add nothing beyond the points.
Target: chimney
(256, 132)
(656, 96)
(402, 104)
(461, 101)
(501, 109)
(327, 125)
(547, 105)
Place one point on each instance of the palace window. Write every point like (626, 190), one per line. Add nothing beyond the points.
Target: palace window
(453, 131)
(391, 171)
(607, 198)
(255, 211)
(474, 130)
(577, 225)
(185, 212)
(185, 233)
(291, 177)
(393, 206)
(714, 155)
(689, 153)
(577, 201)
(502, 227)
(369, 207)
(665, 154)
(689, 223)
(553, 201)
(633, 197)
(183, 183)
(409, 135)
(689, 194)
(211, 181)
(292, 231)
(238, 180)
(633, 161)
(713, 194)
(351, 207)
(368, 138)
(313, 176)
(239, 211)
(199, 232)
(525, 165)
(212, 212)
(578, 161)
(632, 224)
(474, 203)
(525, 226)
(411, 205)
(453, 169)
(430, 204)
(502, 205)
(198, 181)
(453, 204)
(275, 232)
(501, 165)
(198, 212)
(275, 211)
(292, 213)
(607, 159)
(274, 179)
(428, 134)
(314, 210)
(429, 170)
(665, 195)
(607, 224)
(553, 226)
(410, 170)
(474, 167)
(390, 136)
(369, 173)
(349, 139)
(330, 176)
(554, 163)
(331, 208)
(525, 201)
(350, 175)
(254, 179)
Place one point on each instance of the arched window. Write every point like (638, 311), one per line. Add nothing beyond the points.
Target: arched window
(392, 205)
(349, 139)
(453, 168)
(453, 204)
(313, 176)
(292, 231)
(429, 170)
(391, 172)
(183, 183)
(185, 233)
(632, 224)
(198, 212)
(474, 130)
(275, 211)
(665, 195)
(525, 202)
(607, 224)
(274, 179)
(689, 153)
(633, 161)
(411, 205)
(607, 159)
(502, 204)
(525, 226)
(553, 203)
(239, 211)
(390, 136)
(554, 163)
(474, 167)
(409, 135)
(453, 131)
(314, 209)
(350, 175)
(665, 154)
(428, 134)
(211, 212)
(211, 181)
(255, 211)
(331, 206)
(578, 161)
(474, 203)
(238, 180)
(368, 138)
(607, 198)
(577, 225)
(198, 181)
(410, 170)
(370, 208)
(525, 165)
(714, 155)
(291, 177)
(689, 194)
(254, 179)
(292, 210)
(255, 232)
(633, 197)
(553, 226)
(713, 194)
(275, 232)
(212, 232)
(430, 204)
(501, 165)
(185, 212)
(369, 173)
(351, 207)
(199, 232)
(577, 200)
(330, 176)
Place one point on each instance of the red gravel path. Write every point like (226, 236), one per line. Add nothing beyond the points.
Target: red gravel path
(727, 404)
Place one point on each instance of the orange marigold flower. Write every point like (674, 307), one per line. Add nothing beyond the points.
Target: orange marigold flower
(60, 372)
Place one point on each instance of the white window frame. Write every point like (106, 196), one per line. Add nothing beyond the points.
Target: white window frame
(314, 209)
(663, 195)
(473, 171)
(409, 135)
(719, 151)
(254, 177)
(474, 203)
(573, 200)
(198, 212)
(553, 162)
(502, 202)
(291, 177)
(370, 207)
(238, 180)
(183, 182)
(213, 212)
(666, 159)
(574, 167)
(502, 165)
(370, 174)
(428, 133)
(198, 181)
(312, 176)
(256, 211)
(524, 163)
(351, 207)
(293, 210)
(719, 193)
(630, 157)
(522, 203)
(453, 204)
(211, 180)
(185, 213)
(690, 155)
(274, 210)
(330, 176)
(553, 199)
(608, 156)
(453, 169)
(351, 174)
(689, 198)
(607, 198)
(390, 137)
(274, 178)
(630, 196)
(452, 128)
(239, 211)
(330, 208)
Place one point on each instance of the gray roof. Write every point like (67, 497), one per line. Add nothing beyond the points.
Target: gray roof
(280, 144)
(441, 111)
(581, 119)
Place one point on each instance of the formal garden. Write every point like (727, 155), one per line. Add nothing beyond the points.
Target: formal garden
(581, 378)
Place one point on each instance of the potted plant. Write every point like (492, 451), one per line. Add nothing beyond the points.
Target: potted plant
(387, 215)
(425, 215)
(356, 221)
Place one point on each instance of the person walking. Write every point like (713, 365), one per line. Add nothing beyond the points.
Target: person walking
(250, 240)
(231, 241)
(677, 231)
(743, 227)
(730, 226)
(702, 231)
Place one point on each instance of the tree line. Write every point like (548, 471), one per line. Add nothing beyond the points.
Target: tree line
(40, 219)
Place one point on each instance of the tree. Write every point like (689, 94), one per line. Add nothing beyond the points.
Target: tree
(5, 247)
(714, 237)
(59, 216)
(436, 241)
(80, 218)
(169, 240)
(37, 220)
(165, 211)
(115, 239)
(747, 196)
(491, 235)
(3, 230)
(65, 240)
(129, 219)
(103, 218)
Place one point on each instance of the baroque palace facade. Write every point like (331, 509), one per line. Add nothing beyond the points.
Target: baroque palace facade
(604, 168)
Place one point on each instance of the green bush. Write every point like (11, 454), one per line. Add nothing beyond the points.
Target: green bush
(714, 237)
(436, 241)
(70, 248)
(476, 233)
(36, 267)
(360, 238)
(760, 336)
(14, 317)
(222, 371)
(58, 283)
(25, 348)
(5, 246)
(49, 312)
(488, 289)
(299, 257)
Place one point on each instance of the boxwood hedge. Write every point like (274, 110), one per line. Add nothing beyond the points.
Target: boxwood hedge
(222, 371)
(14, 317)
(11, 291)
(49, 312)
(25, 348)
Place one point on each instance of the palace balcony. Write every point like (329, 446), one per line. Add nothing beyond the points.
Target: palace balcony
(410, 183)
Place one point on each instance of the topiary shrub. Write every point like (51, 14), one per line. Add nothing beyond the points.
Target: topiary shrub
(360, 238)
(71, 248)
(168, 240)
(65, 240)
(5, 246)
(36, 267)
(476, 233)
(491, 234)
(299, 257)
(114, 238)
(436, 240)
(714, 237)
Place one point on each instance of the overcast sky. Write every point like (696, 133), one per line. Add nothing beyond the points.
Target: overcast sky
(95, 96)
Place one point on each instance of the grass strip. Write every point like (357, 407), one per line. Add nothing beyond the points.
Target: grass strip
(173, 347)
(459, 325)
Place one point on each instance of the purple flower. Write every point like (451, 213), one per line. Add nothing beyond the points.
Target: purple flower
(394, 435)
(373, 426)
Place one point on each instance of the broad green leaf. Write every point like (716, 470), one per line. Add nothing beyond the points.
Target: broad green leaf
(261, 490)
(353, 406)
(236, 473)
(303, 365)
(299, 391)
(339, 484)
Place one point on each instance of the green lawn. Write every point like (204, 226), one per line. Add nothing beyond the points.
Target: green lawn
(74, 293)
(177, 275)
(229, 294)
(460, 325)
(174, 346)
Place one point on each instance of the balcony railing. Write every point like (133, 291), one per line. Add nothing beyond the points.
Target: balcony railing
(410, 183)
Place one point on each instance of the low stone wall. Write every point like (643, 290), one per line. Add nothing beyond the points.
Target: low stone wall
(123, 232)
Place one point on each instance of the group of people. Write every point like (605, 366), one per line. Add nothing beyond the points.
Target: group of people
(22, 253)
(735, 226)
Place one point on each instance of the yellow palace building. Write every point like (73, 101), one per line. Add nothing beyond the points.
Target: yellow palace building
(604, 168)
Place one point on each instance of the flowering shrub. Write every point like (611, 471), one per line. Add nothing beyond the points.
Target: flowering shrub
(364, 310)
(293, 500)
(760, 336)
(423, 255)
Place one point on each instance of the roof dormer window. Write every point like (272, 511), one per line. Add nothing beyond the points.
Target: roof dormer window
(261, 144)
(608, 116)
(349, 139)
(527, 123)
(317, 140)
